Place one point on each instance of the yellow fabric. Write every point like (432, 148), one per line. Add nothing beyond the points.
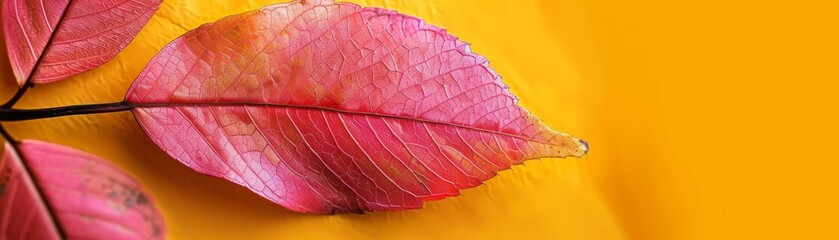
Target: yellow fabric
(706, 119)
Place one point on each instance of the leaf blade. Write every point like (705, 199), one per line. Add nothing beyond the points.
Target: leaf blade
(326, 107)
(88, 197)
(77, 35)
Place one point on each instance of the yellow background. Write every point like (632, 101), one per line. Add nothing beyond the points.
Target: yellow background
(707, 120)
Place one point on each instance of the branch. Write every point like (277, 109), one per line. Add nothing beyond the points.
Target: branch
(7, 114)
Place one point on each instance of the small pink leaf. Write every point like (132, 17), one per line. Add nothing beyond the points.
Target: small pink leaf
(86, 196)
(90, 33)
(325, 107)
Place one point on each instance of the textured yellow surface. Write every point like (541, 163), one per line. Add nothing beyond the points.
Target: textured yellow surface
(707, 120)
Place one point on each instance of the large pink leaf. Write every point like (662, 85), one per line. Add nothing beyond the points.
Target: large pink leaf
(87, 33)
(88, 197)
(325, 107)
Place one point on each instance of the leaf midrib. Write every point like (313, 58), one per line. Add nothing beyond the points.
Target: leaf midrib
(279, 105)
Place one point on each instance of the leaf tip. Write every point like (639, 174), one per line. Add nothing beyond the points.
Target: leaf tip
(583, 146)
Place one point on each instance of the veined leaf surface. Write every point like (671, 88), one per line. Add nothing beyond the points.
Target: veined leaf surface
(87, 33)
(331, 107)
(88, 197)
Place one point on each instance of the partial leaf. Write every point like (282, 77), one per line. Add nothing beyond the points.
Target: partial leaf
(325, 107)
(84, 195)
(20, 201)
(87, 33)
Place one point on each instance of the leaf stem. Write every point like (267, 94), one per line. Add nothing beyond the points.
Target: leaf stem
(20, 91)
(7, 136)
(8, 114)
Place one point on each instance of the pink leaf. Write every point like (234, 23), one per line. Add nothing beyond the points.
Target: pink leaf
(86, 35)
(325, 107)
(86, 196)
